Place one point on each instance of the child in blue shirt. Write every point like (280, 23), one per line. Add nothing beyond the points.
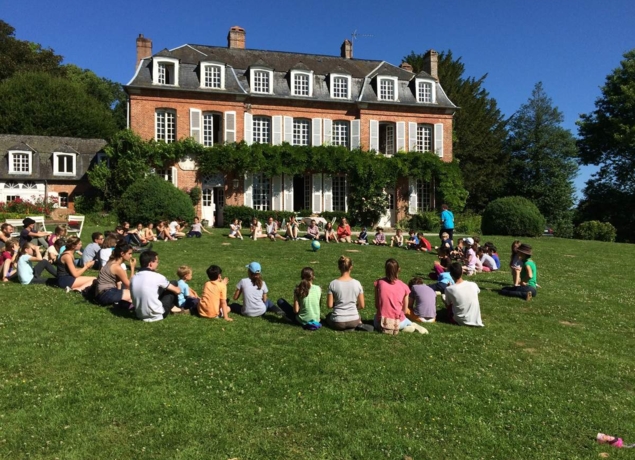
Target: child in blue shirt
(413, 241)
(363, 237)
(188, 299)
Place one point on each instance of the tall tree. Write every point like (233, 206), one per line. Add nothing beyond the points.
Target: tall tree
(479, 130)
(543, 158)
(607, 139)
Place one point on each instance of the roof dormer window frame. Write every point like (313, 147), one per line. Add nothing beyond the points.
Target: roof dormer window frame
(57, 171)
(335, 88)
(309, 74)
(203, 77)
(256, 81)
(421, 95)
(20, 162)
(160, 65)
(393, 81)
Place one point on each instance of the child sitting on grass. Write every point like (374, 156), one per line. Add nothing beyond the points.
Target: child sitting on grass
(53, 251)
(8, 259)
(444, 279)
(27, 274)
(380, 237)
(413, 241)
(424, 245)
(446, 242)
(528, 276)
(306, 302)
(397, 239)
(196, 229)
(515, 263)
(470, 258)
(234, 229)
(60, 232)
(188, 298)
(254, 291)
(214, 300)
(422, 305)
(329, 233)
(489, 264)
(439, 267)
(363, 237)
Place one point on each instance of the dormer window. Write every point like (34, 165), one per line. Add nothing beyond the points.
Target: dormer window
(212, 75)
(64, 164)
(426, 93)
(20, 162)
(165, 71)
(387, 88)
(340, 86)
(261, 81)
(301, 83)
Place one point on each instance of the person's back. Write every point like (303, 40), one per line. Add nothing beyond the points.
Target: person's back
(425, 301)
(391, 298)
(345, 294)
(146, 288)
(310, 306)
(213, 293)
(462, 297)
(253, 304)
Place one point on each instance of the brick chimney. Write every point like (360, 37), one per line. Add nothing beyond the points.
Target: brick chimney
(404, 65)
(236, 38)
(431, 64)
(144, 48)
(346, 51)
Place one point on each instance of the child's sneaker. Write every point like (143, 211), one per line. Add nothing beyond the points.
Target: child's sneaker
(529, 296)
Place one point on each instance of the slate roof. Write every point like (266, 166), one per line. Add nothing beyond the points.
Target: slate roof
(43, 148)
(238, 62)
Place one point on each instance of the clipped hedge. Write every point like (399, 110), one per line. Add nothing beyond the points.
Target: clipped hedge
(513, 216)
(596, 230)
(152, 199)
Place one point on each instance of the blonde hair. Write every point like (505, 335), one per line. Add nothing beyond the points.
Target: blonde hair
(344, 264)
(183, 271)
(445, 235)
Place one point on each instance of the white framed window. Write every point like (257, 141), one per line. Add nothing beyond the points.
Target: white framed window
(262, 130)
(261, 192)
(11, 198)
(261, 80)
(301, 131)
(426, 91)
(341, 133)
(168, 174)
(424, 138)
(340, 86)
(20, 162)
(425, 195)
(211, 128)
(212, 75)
(387, 88)
(339, 193)
(64, 164)
(63, 200)
(165, 125)
(165, 71)
(29, 185)
(387, 138)
(11, 185)
(301, 83)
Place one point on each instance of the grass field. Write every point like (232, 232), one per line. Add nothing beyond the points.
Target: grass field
(538, 381)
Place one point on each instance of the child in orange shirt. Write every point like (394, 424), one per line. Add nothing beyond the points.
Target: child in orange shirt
(214, 300)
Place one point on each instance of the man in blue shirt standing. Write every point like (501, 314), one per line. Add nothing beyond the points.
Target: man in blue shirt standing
(447, 222)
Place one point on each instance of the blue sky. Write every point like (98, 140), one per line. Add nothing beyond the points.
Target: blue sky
(571, 46)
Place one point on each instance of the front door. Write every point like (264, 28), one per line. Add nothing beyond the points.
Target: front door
(207, 205)
(219, 202)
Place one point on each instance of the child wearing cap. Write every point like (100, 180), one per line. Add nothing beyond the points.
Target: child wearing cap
(470, 257)
(528, 276)
(254, 291)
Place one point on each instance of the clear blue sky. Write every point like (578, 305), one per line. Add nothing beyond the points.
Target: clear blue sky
(569, 45)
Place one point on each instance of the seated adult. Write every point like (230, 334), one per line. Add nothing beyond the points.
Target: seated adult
(91, 252)
(153, 296)
(461, 299)
(113, 285)
(344, 232)
(5, 233)
(175, 229)
(272, 230)
(312, 231)
(29, 235)
(292, 229)
(69, 276)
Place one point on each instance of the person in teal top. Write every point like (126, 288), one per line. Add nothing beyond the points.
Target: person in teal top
(447, 223)
(528, 276)
(306, 303)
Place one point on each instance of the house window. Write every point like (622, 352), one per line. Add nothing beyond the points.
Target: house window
(63, 200)
(424, 138)
(11, 198)
(425, 91)
(425, 195)
(213, 76)
(261, 192)
(339, 193)
(262, 130)
(387, 88)
(64, 164)
(301, 83)
(340, 86)
(211, 129)
(11, 184)
(387, 138)
(340, 133)
(165, 125)
(165, 71)
(301, 132)
(20, 162)
(29, 185)
(261, 81)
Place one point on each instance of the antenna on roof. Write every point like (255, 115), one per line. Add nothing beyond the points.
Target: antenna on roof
(354, 37)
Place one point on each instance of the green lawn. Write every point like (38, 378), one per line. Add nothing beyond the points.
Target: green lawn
(538, 381)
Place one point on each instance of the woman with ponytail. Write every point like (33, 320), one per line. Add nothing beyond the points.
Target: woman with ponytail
(113, 284)
(345, 296)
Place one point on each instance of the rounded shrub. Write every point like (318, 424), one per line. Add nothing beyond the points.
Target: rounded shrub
(152, 199)
(514, 216)
(596, 230)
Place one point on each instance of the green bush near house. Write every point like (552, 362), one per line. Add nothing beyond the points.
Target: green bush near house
(514, 216)
(428, 221)
(468, 223)
(152, 199)
(596, 230)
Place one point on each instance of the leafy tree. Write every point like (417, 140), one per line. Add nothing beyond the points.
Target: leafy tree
(607, 139)
(47, 105)
(543, 158)
(479, 130)
(23, 56)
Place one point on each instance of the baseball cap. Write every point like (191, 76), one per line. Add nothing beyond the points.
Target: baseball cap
(469, 241)
(254, 267)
